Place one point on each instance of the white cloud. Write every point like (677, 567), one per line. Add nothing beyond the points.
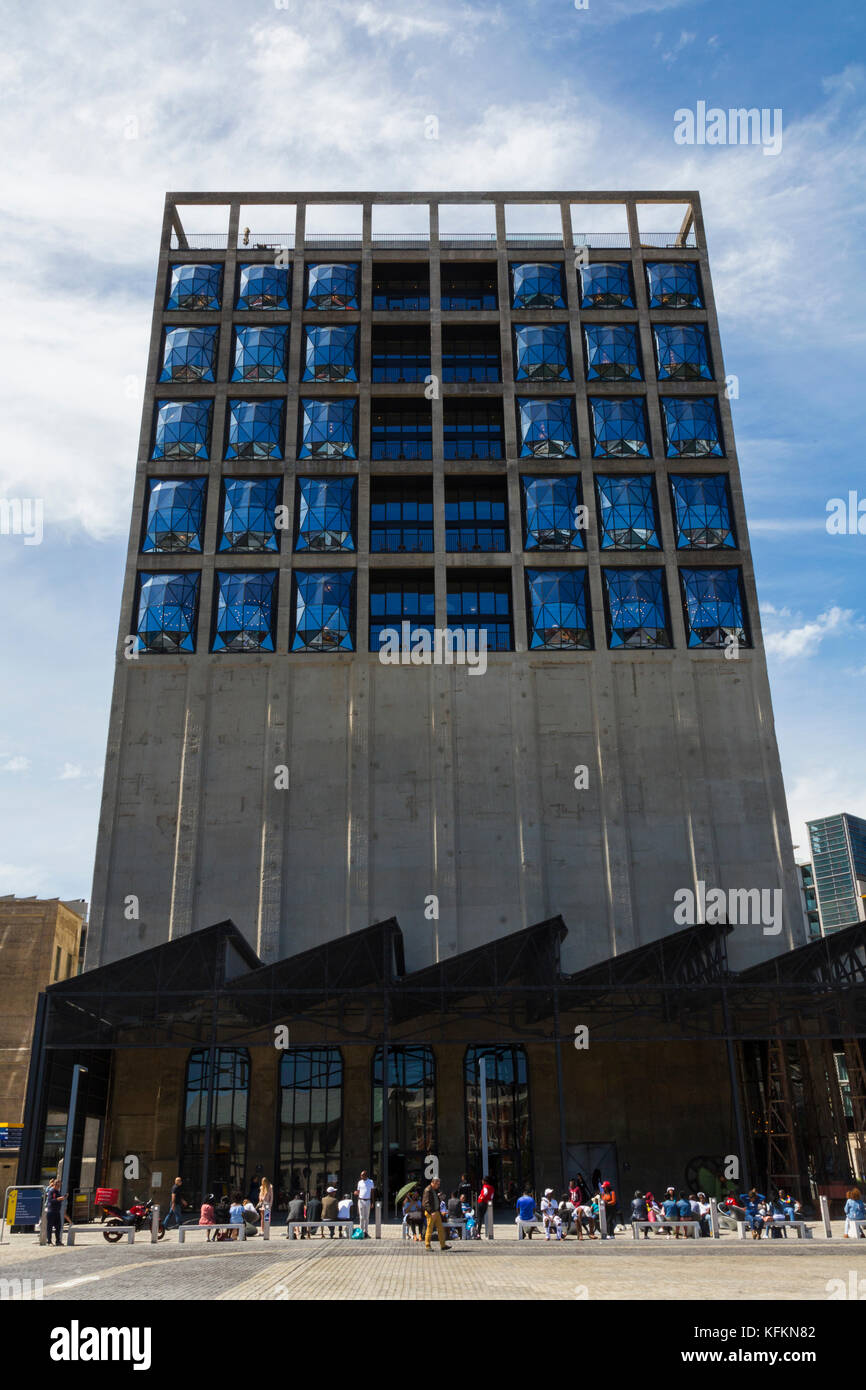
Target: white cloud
(685, 38)
(14, 764)
(70, 772)
(804, 641)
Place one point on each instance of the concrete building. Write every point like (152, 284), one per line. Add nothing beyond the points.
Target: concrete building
(432, 414)
(40, 944)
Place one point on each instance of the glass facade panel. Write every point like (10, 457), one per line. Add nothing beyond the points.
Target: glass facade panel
(468, 287)
(541, 352)
(323, 611)
(702, 512)
(411, 1102)
(692, 428)
(400, 354)
(397, 433)
(481, 603)
(181, 429)
(546, 427)
(627, 518)
(636, 608)
(397, 287)
(328, 429)
(714, 607)
(674, 286)
(326, 514)
(167, 609)
(333, 286)
(558, 609)
(396, 599)
(401, 515)
(175, 515)
(509, 1128)
(473, 432)
(264, 286)
(476, 514)
(260, 353)
(612, 352)
(470, 355)
(606, 285)
(553, 514)
(194, 287)
(537, 285)
(682, 352)
(228, 1121)
(189, 354)
(619, 427)
(255, 430)
(245, 611)
(249, 515)
(309, 1146)
(330, 353)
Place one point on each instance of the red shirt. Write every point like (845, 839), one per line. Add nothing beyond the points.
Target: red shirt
(486, 1193)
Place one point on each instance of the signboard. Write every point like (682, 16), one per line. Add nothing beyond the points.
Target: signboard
(24, 1206)
(10, 1136)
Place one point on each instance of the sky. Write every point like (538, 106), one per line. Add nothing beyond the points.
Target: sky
(106, 107)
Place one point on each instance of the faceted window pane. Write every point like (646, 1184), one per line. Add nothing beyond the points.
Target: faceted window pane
(255, 430)
(195, 287)
(682, 352)
(636, 607)
(182, 429)
(264, 286)
(332, 286)
(397, 433)
(189, 354)
(470, 354)
(537, 285)
(322, 609)
(541, 353)
(612, 352)
(167, 609)
(558, 609)
(175, 512)
(328, 429)
(476, 514)
(246, 611)
(249, 515)
(619, 427)
(692, 427)
(396, 599)
(714, 607)
(260, 353)
(401, 515)
(468, 287)
(674, 286)
(481, 603)
(702, 512)
(326, 512)
(330, 353)
(546, 427)
(552, 513)
(606, 285)
(472, 433)
(627, 517)
(400, 354)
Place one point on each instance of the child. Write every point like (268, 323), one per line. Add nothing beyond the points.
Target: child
(208, 1216)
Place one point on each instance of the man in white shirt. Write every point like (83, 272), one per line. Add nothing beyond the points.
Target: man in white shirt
(344, 1209)
(364, 1194)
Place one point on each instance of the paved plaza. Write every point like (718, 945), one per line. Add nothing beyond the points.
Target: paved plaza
(392, 1269)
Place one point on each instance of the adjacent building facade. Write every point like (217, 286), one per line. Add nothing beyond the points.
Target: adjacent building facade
(838, 867)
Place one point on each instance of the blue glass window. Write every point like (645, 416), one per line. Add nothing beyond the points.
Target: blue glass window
(330, 353)
(636, 608)
(404, 287)
(400, 354)
(182, 429)
(189, 354)
(401, 515)
(481, 603)
(323, 611)
(546, 427)
(332, 286)
(553, 515)
(468, 287)
(245, 611)
(249, 515)
(627, 517)
(167, 611)
(692, 427)
(476, 514)
(674, 286)
(260, 353)
(255, 430)
(612, 352)
(558, 610)
(326, 514)
(175, 512)
(682, 352)
(328, 429)
(472, 432)
(619, 428)
(537, 285)
(263, 286)
(470, 354)
(702, 512)
(396, 599)
(195, 287)
(541, 352)
(606, 285)
(714, 607)
(397, 433)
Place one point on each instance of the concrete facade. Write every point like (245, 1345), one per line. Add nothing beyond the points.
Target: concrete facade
(412, 782)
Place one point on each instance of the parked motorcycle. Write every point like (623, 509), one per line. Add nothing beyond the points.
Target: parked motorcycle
(138, 1216)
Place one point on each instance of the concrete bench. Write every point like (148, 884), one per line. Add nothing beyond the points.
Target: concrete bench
(667, 1224)
(126, 1233)
(804, 1231)
(184, 1231)
(305, 1226)
(525, 1227)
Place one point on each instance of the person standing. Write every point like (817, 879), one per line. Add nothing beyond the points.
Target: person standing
(364, 1194)
(608, 1197)
(485, 1197)
(266, 1201)
(430, 1206)
(464, 1187)
(53, 1210)
(176, 1204)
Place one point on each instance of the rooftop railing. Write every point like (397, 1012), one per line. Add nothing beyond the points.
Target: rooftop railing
(469, 241)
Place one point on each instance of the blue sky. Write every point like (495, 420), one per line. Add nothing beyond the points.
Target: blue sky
(335, 94)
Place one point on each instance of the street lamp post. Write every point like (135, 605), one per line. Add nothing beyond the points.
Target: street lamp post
(77, 1072)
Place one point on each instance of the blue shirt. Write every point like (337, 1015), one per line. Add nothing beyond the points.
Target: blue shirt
(526, 1208)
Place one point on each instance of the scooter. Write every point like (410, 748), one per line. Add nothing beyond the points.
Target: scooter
(138, 1216)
